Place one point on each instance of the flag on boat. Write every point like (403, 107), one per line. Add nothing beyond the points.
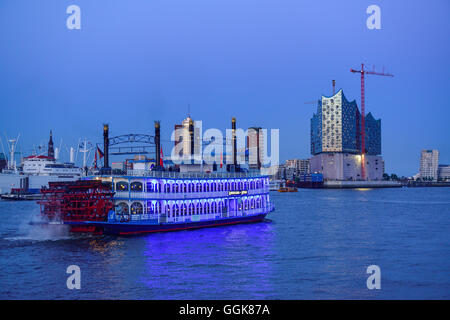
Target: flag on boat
(161, 159)
(95, 160)
(100, 153)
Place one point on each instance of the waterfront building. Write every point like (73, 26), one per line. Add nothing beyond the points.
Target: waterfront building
(429, 163)
(275, 172)
(301, 166)
(3, 161)
(444, 172)
(346, 166)
(187, 143)
(336, 140)
(255, 146)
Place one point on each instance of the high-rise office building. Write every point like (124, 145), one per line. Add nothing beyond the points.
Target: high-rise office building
(185, 135)
(255, 146)
(429, 164)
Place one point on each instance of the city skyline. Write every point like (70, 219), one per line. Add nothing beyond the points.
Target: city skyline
(151, 62)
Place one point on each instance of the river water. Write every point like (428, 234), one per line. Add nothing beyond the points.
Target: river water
(317, 244)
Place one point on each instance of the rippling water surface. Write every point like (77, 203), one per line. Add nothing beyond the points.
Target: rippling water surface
(316, 245)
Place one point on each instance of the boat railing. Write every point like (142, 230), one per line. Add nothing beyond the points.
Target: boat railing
(192, 175)
(183, 195)
(196, 217)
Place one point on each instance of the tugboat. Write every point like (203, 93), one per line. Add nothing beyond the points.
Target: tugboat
(160, 201)
(287, 189)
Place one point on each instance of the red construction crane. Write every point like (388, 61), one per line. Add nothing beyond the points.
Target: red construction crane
(363, 127)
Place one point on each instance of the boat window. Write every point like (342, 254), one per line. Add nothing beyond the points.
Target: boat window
(167, 188)
(122, 186)
(150, 208)
(136, 186)
(123, 207)
(136, 208)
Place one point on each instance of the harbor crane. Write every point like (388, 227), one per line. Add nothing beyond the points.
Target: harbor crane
(363, 72)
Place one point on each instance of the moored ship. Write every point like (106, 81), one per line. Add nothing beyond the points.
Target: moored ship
(159, 201)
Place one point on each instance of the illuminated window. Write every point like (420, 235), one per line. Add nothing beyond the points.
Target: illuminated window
(136, 186)
(136, 208)
(122, 186)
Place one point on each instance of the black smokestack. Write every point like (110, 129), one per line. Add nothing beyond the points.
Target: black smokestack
(106, 145)
(157, 143)
(233, 131)
(257, 148)
(191, 135)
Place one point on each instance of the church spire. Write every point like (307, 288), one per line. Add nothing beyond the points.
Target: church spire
(51, 151)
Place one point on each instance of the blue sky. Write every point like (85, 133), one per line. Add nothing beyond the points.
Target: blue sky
(137, 61)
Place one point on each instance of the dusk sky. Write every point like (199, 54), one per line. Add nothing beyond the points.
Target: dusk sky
(137, 61)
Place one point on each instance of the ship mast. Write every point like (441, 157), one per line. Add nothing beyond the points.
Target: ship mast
(85, 150)
(12, 143)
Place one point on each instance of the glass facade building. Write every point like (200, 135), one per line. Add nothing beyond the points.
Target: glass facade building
(336, 127)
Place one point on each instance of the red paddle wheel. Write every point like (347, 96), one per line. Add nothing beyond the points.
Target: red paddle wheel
(77, 201)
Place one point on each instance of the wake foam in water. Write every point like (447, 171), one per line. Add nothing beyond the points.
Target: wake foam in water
(35, 228)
